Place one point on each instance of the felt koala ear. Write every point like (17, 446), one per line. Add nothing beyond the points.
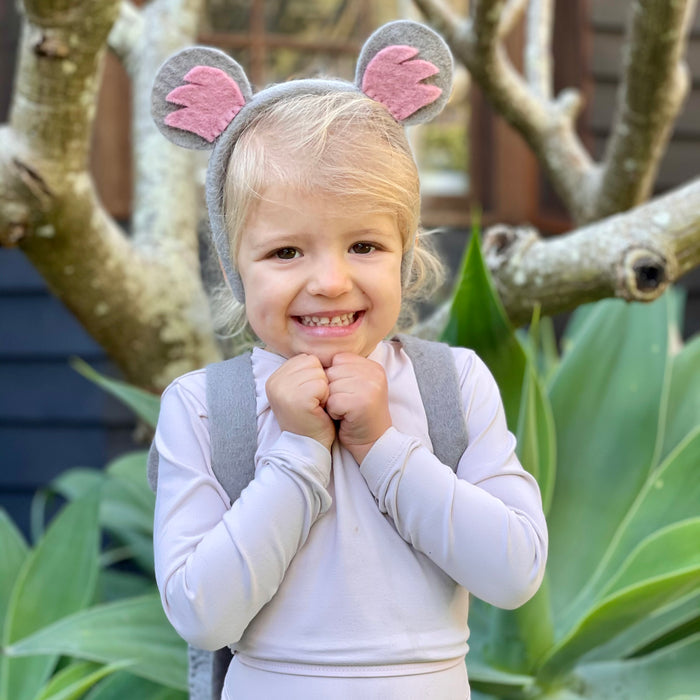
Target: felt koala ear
(408, 68)
(196, 94)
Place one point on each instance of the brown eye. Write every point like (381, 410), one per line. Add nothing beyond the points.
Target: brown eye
(362, 248)
(286, 253)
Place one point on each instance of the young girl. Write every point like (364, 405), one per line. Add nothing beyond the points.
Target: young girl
(343, 570)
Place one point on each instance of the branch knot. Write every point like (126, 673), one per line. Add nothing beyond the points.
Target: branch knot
(50, 45)
(501, 241)
(643, 275)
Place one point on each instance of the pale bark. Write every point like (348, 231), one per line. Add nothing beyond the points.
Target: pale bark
(142, 298)
(511, 15)
(634, 256)
(654, 86)
(126, 35)
(538, 47)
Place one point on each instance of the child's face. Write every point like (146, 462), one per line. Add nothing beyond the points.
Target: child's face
(320, 277)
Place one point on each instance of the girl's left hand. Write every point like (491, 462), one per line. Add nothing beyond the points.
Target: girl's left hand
(359, 399)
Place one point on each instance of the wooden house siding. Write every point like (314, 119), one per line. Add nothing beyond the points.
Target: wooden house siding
(51, 418)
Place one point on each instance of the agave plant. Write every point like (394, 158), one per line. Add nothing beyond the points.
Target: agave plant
(72, 626)
(612, 432)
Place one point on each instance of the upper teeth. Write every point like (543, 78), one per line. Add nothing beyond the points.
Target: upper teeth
(341, 320)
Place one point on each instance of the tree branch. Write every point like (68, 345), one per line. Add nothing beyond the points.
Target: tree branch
(444, 19)
(538, 43)
(148, 311)
(511, 15)
(654, 86)
(634, 255)
(164, 174)
(652, 92)
(548, 126)
(126, 36)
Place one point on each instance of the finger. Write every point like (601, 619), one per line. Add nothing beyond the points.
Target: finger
(335, 407)
(349, 370)
(347, 358)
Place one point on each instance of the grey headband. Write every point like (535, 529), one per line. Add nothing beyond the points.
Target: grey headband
(202, 99)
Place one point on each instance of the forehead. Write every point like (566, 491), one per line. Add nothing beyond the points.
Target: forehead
(287, 212)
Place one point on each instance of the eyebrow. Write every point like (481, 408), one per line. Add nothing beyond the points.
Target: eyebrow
(287, 239)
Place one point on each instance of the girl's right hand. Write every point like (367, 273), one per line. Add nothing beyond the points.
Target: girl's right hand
(297, 393)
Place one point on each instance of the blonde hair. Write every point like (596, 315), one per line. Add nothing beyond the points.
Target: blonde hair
(341, 144)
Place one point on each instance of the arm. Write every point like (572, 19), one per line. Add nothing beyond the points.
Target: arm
(216, 566)
(484, 525)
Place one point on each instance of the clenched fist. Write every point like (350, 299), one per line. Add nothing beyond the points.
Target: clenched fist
(359, 399)
(298, 392)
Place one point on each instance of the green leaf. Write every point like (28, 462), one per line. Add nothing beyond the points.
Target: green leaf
(127, 501)
(58, 578)
(477, 321)
(126, 508)
(124, 685)
(669, 674)
(664, 567)
(75, 483)
(518, 639)
(606, 398)
(117, 584)
(75, 680)
(670, 494)
(536, 434)
(132, 630)
(497, 683)
(683, 413)
(672, 549)
(144, 404)
(548, 355)
(131, 467)
(664, 626)
(14, 552)
(128, 495)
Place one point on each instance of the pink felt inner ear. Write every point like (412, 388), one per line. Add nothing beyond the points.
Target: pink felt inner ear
(393, 77)
(210, 100)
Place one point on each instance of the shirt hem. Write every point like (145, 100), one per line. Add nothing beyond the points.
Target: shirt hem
(348, 671)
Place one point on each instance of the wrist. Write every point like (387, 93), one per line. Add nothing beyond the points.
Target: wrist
(359, 452)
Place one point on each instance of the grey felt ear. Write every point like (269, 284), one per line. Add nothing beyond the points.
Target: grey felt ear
(407, 67)
(196, 94)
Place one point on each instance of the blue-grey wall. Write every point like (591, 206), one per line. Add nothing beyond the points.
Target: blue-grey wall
(51, 418)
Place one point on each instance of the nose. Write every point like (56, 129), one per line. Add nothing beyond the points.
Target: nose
(330, 276)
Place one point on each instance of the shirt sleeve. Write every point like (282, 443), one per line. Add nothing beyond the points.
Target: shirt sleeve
(483, 525)
(217, 564)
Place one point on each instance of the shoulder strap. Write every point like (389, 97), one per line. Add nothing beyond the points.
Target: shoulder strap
(232, 423)
(233, 434)
(438, 383)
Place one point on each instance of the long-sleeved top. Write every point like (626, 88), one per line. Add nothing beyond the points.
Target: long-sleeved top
(323, 567)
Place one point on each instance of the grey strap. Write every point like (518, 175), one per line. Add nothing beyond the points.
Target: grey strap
(234, 439)
(152, 464)
(232, 422)
(438, 383)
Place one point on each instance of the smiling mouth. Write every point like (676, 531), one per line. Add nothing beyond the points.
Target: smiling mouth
(329, 321)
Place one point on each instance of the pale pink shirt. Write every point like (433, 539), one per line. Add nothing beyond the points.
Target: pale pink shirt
(325, 569)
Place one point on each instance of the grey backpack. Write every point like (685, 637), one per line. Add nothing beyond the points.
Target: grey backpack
(234, 442)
